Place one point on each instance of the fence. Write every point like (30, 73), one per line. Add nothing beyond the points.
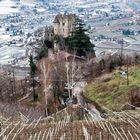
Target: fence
(119, 126)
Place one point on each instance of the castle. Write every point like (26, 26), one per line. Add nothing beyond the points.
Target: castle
(63, 24)
(62, 27)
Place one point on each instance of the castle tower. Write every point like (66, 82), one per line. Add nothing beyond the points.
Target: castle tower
(63, 24)
(49, 33)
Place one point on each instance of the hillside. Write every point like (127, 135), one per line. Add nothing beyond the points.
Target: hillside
(111, 90)
(122, 125)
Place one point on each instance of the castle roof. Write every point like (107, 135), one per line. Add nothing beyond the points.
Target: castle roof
(63, 16)
(56, 20)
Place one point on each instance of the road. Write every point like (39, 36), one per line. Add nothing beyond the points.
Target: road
(78, 92)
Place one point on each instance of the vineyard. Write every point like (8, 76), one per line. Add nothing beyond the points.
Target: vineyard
(77, 124)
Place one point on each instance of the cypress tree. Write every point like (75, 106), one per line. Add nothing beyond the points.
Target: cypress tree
(33, 69)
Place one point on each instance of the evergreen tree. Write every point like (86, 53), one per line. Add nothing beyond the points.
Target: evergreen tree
(79, 40)
(33, 69)
(43, 52)
(32, 66)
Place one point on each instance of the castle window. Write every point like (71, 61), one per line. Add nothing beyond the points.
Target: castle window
(63, 24)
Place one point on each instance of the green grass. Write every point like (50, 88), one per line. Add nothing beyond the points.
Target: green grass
(113, 93)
